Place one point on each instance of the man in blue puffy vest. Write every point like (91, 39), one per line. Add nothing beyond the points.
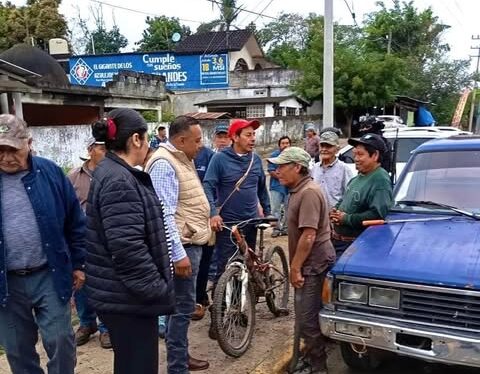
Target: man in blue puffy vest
(42, 254)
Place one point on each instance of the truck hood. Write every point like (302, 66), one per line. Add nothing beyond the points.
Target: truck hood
(441, 253)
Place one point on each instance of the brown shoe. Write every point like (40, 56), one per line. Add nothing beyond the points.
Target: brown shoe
(105, 340)
(197, 365)
(199, 312)
(82, 336)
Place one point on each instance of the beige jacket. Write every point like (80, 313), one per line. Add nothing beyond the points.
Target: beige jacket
(193, 210)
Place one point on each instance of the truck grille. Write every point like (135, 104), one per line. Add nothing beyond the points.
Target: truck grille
(427, 306)
(453, 310)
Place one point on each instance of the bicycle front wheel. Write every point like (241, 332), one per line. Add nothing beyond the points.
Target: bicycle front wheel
(233, 312)
(278, 285)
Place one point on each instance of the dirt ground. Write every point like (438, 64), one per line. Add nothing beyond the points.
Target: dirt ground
(269, 337)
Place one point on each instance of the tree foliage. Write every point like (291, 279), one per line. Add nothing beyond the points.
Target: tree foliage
(416, 37)
(362, 79)
(158, 34)
(36, 22)
(229, 12)
(98, 40)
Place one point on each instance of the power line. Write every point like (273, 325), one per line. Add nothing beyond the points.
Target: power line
(263, 10)
(140, 11)
(242, 10)
(351, 12)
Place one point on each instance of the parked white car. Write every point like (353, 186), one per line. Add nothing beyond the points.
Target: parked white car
(409, 138)
(391, 121)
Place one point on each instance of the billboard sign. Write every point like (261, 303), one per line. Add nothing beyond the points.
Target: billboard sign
(181, 72)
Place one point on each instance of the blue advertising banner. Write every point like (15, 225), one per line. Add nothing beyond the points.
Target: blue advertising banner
(181, 72)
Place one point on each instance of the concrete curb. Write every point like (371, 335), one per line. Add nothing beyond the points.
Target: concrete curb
(277, 361)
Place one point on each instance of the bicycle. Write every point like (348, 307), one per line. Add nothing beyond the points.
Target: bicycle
(248, 276)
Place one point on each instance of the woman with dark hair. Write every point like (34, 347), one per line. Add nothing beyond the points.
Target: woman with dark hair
(129, 268)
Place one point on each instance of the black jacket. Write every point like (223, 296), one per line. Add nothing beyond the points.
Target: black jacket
(129, 268)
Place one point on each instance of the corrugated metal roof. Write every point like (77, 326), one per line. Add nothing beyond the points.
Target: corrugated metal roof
(214, 42)
(209, 115)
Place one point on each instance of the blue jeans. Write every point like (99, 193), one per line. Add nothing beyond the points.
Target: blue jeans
(85, 312)
(178, 323)
(33, 305)
(277, 199)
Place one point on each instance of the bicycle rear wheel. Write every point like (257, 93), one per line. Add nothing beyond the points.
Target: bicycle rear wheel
(277, 281)
(233, 316)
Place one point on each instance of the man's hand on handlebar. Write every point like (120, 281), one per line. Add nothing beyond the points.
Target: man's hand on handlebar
(216, 223)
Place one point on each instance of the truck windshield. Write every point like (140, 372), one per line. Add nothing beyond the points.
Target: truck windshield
(451, 178)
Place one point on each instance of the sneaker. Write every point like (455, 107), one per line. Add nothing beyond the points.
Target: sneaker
(105, 340)
(276, 233)
(82, 336)
(199, 312)
(162, 326)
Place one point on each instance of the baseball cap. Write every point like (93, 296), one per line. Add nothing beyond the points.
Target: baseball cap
(221, 128)
(311, 127)
(240, 124)
(90, 141)
(373, 140)
(13, 131)
(292, 154)
(329, 137)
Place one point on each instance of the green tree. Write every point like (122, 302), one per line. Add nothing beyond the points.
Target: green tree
(158, 34)
(362, 79)
(229, 12)
(285, 39)
(99, 40)
(36, 22)
(416, 37)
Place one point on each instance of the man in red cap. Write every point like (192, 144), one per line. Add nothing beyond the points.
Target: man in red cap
(234, 184)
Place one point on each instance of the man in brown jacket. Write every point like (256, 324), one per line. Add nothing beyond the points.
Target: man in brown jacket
(311, 251)
(81, 178)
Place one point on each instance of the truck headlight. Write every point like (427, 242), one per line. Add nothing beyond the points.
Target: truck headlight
(353, 293)
(384, 297)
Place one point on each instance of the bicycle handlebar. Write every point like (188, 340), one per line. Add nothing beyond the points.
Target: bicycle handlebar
(253, 221)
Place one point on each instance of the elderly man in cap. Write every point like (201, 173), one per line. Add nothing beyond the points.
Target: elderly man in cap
(42, 254)
(330, 173)
(312, 143)
(235, 183)
(368, 195)
(310, 249)
(81, 178)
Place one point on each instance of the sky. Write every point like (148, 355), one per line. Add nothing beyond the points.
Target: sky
(461, 15)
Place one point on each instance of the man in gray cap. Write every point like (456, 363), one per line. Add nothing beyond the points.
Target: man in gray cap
(310, 249)
(81, 178)
(42, 254)
(221, 139)
(330, 173)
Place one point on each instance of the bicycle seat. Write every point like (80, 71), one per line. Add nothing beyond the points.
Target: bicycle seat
(263, 226)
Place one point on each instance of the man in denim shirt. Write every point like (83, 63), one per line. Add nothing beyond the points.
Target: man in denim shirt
(42, 254)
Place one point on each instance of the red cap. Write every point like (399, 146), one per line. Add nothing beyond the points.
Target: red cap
(239, 124)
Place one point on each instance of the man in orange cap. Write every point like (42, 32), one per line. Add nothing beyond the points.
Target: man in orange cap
(234, 184)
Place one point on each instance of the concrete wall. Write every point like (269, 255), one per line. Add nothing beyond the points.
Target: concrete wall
(263, 78)
(271, 130)
(65, 144)
(62, 144)
(184, 102)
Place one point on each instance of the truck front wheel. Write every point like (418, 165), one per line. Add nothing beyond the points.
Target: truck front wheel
(368, 361)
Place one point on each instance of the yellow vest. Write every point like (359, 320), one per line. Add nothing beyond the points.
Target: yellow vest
(193, 210)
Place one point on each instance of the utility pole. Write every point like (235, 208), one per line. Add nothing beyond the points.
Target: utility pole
(328, 65)
(472, 105)
(389, 45)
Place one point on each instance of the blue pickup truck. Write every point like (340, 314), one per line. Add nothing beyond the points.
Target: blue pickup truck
(411, 285)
